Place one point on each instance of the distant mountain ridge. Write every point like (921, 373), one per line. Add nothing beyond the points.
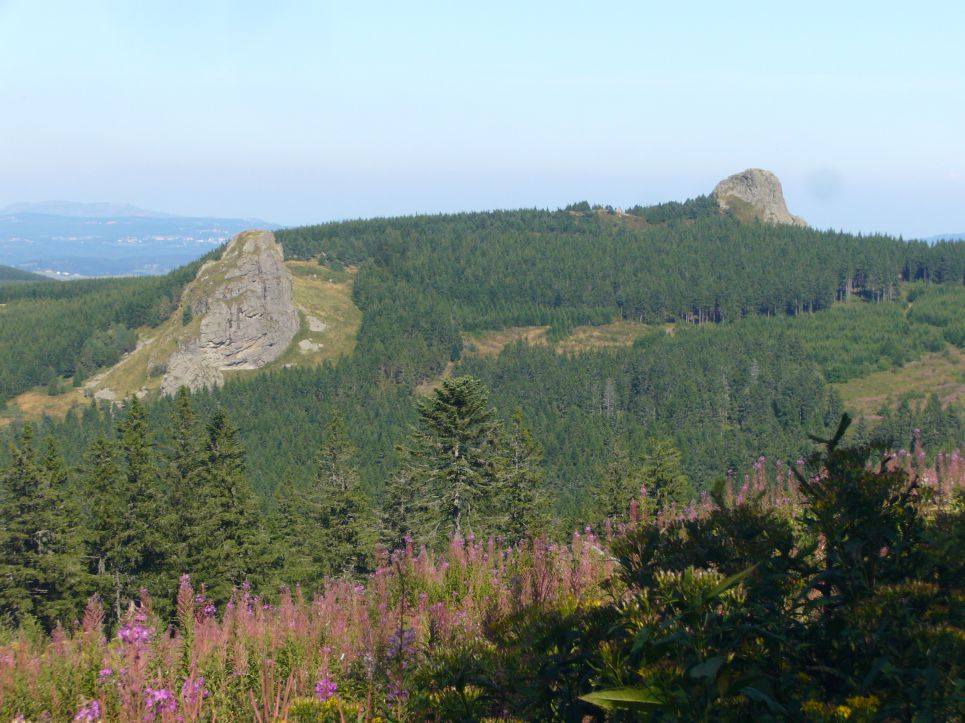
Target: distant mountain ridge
(67, 239)
(10, 274)
(75, 209)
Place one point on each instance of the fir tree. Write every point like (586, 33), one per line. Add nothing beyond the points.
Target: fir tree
(103, 493)
(453, 458)
(327, 529)
(617, 485)
(348, 528)
(522, 501)
(143, 545)
(41, 568)
(185, 459)
(231, 546)
(661, 471)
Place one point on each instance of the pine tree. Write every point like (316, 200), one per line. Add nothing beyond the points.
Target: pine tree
(617, 484)
(453, 458)
(522, 501)
(41, 568)
(185, 459)
(231, 546)
(327, 529)
(143, 545)
(661, 471)
(103, 491)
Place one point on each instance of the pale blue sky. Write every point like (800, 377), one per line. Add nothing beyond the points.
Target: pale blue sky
(310, 111)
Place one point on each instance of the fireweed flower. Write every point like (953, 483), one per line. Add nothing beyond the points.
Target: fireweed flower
(192, 689)
(135, 632)
(90, 712)
(158, 702)
(325, 688)
(401, 642)
(105, 673)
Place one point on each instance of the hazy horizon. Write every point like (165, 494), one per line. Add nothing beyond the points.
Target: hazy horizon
(300, 114)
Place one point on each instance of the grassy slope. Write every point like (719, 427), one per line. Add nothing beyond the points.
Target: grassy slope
(943, 373)
(321, 295)
(582, 338)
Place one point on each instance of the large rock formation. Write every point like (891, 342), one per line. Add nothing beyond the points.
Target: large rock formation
(756, 193)
(247, 314)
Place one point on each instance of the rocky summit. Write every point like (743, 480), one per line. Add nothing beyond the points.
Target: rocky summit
(247, 314)
(756, 193)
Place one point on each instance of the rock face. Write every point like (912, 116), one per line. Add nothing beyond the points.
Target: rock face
(761, 191)
(247, 314)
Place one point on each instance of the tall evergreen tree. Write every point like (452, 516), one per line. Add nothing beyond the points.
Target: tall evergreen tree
(231, 545)
(454, 457)
(522, 500)
(661, 471)
(104, 489)
(41, 567)
(144, 544)
(185, 460)
(327, 529)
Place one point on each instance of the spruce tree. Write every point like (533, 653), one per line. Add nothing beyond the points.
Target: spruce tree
(618, 483)
(661, 471)
(327, 529)
(41, 567)
(522, 500)
(185, 459)
(348, 527)
(453, 460)
(143, 545)
(231, 546)
(103, 494)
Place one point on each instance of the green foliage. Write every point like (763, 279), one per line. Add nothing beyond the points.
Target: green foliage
(10, 275)
(691, 209)
(750, 613)
(327, 529)
(41, 572)
(75, 327)
(522, 478)
(452, 459)
(230, 544)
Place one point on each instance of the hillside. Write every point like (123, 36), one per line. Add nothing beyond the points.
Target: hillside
(8, 274)
(731, 338)
(244, 311)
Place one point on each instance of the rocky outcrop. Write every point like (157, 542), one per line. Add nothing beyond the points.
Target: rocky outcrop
(759, 192)
(244, 311)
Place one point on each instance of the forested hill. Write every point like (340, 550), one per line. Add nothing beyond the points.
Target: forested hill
(10, 274)
(538, 267)
(763, 319)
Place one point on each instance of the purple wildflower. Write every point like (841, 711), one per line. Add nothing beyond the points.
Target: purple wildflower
(192, 689)
(159, 701)
(325, 688)
(135, 633)
(105, 673)
(89, 712)
(401, 642)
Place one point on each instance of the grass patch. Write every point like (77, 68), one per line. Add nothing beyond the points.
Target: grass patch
(580, 339)
(942, 372)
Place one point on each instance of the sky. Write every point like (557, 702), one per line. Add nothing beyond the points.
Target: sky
(300, 112)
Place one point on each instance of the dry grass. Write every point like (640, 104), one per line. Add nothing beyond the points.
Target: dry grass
(36, 403)
(325, 296)
(583, 338)
(428, 387)
(491, 343)
(942, 372)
